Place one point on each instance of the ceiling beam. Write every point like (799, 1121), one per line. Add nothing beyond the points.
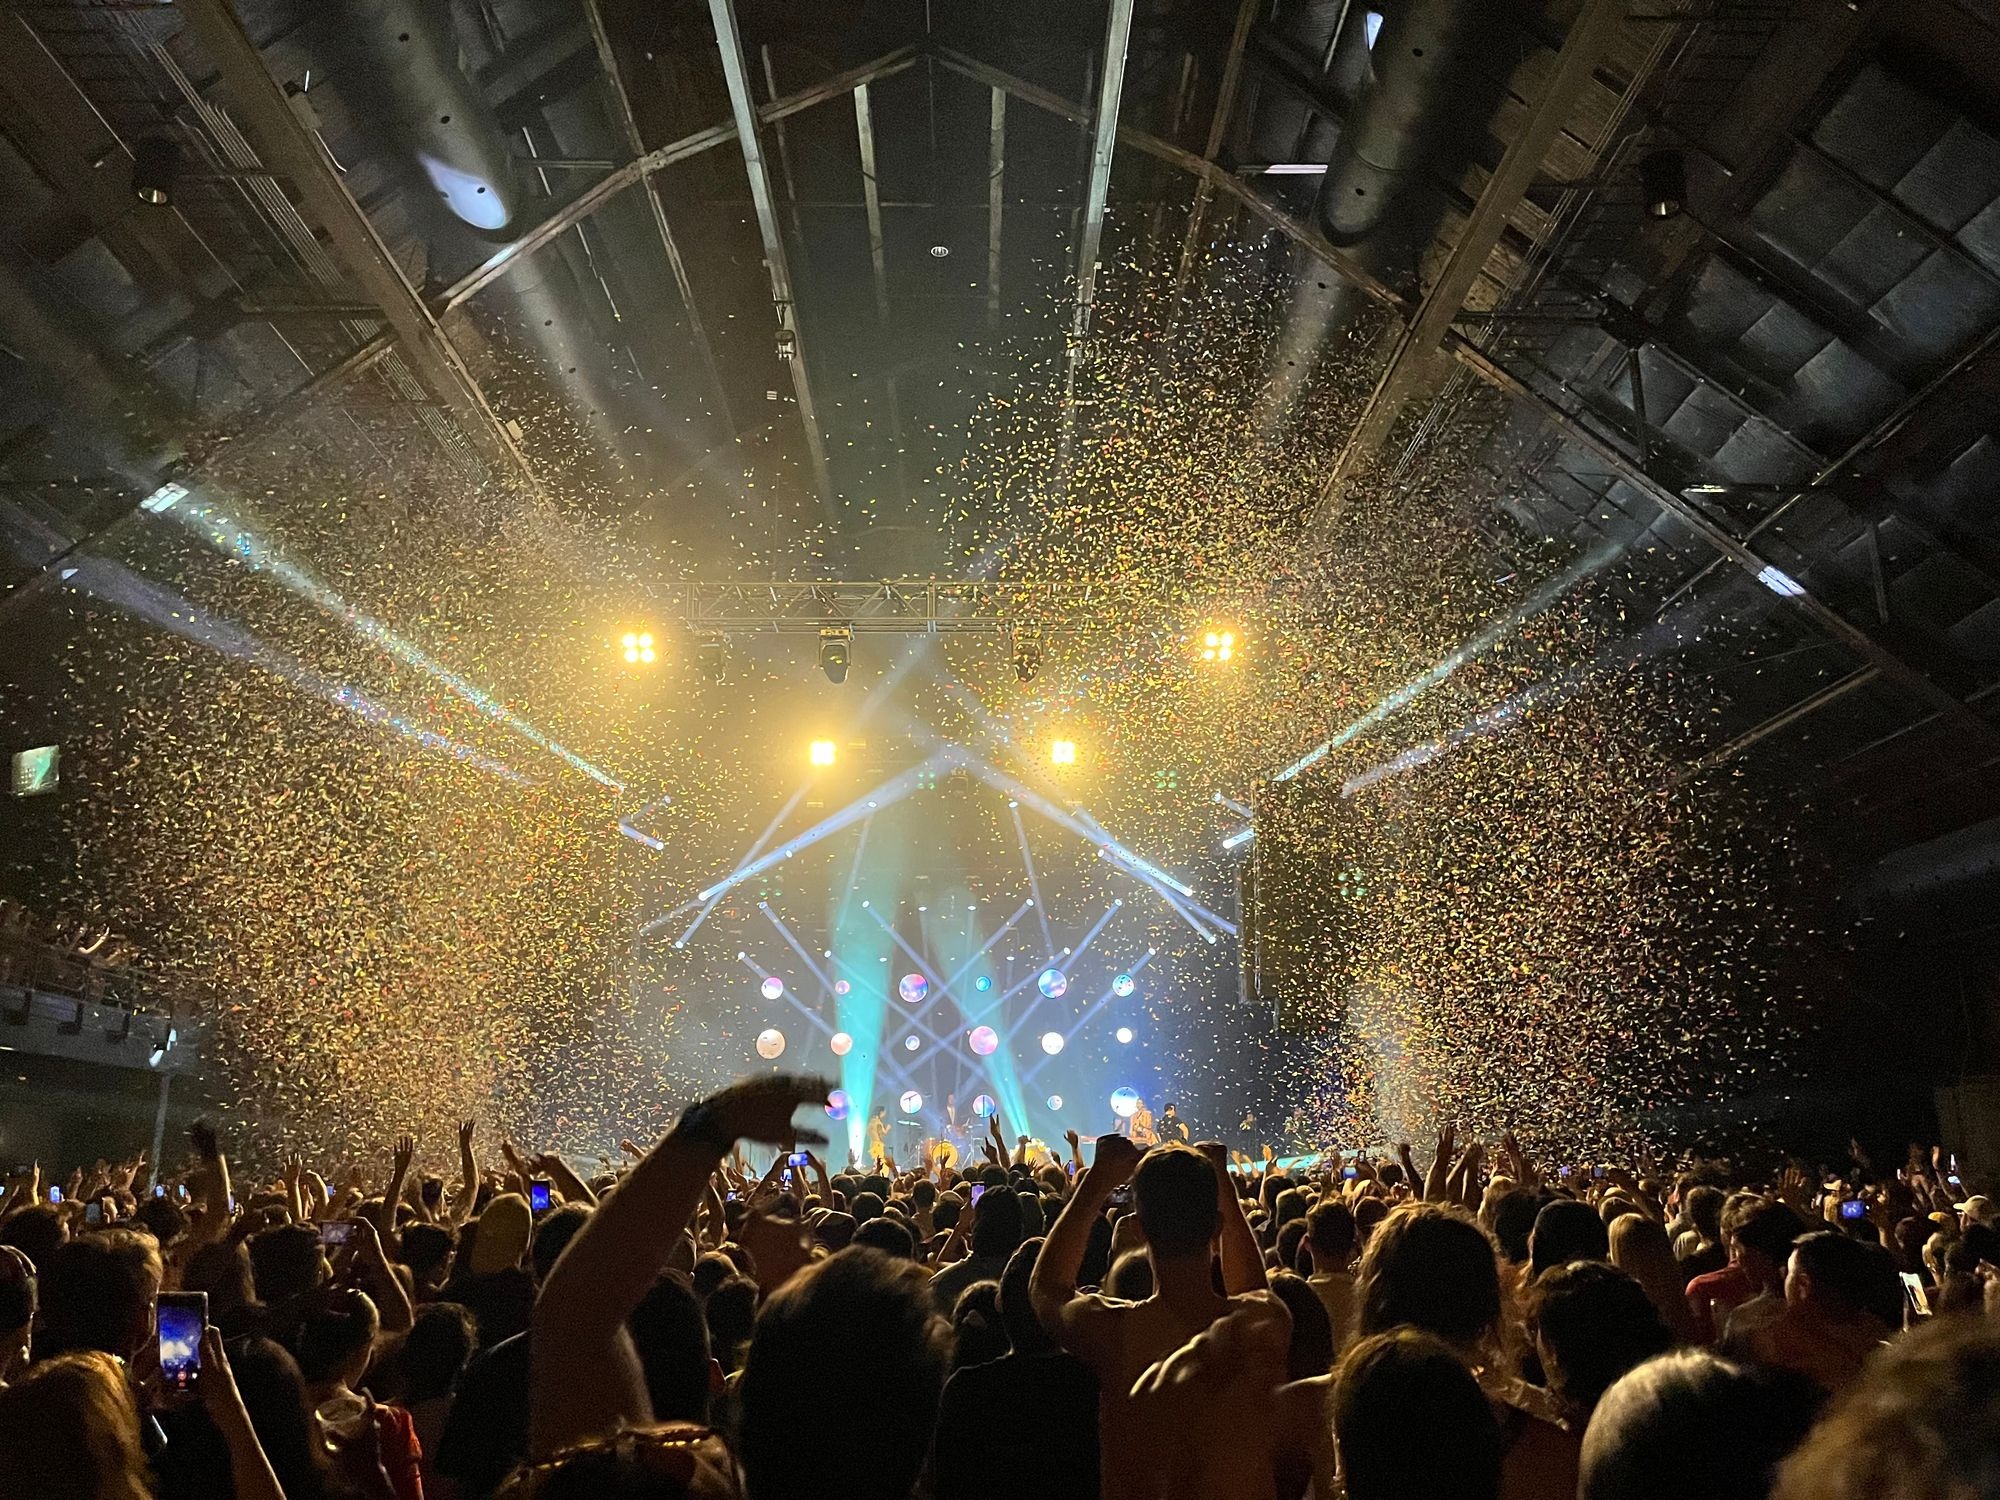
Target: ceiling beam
(791, 348)
(1104, 143)
(628, 123)
(1415, 366)
(609, 186)
(1335, 259)
(296, 153)
(1893, 667)
(996, 177)
(871, 192)
(1218, 129)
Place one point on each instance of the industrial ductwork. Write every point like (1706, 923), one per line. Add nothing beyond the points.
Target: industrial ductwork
(1422, 103)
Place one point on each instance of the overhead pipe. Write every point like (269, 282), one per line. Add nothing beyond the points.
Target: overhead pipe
(409, 77)
(1423, 102)
(410, 70)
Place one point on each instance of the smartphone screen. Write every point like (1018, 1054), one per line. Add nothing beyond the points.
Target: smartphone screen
(1853, 1208)
(538, 1196)
(93, 1213)
(55, 1195)
(798, 1158)
(182, 1317)
(1913, 1288)
(1350, 1173)
(159, 1190)
(788, 1177)
(978, 1191)
(336, 1232)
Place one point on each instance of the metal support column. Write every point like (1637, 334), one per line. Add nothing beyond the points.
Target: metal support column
(1414, 366)
(864, 130)
(791, 348)
(996, 174)
(621, 103)
(1110, 91)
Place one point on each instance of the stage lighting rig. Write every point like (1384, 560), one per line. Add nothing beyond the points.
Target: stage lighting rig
(711, 654)
(1062, 752)
(1218, 645)
(836, 652)
(822, 752)
(638, 648)
(1027, 655)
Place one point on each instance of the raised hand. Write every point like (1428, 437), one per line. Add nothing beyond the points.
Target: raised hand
(465, 1132)
(760, 1109)
(1117, 1159)
(406, 1152)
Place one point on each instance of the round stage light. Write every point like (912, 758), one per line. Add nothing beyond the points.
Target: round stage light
(822, 752)
(1055, 1101)
(983, 1106)
(912, 1101)
(983, 983)
(770, 1042)
(1124, 1034)
(1062, 752)
(1218, 645)
(837, 1104)
(842, 1043)
(913, 988)
(841, 986)
(773, 987)
(1124, 1103)
(984, 1040)
(1052, 1042)
(910, 1043)
(1053, 983)
(1123, 985)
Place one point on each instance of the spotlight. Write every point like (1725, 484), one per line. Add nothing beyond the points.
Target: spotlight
(823, 752)
(1055, 1101)
(835, 651)
(1063, 753)
(638, 648)
(772, 988)
(984, 1040)
(1027, 656)
(1218, 645)
(770, 1043)
(156, 163)
(910, 1044)
(1663, 178)
(711, 654)
(1052, 1042)
(1124, 1035)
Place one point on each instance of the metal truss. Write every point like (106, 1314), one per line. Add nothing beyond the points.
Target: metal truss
(896, 606)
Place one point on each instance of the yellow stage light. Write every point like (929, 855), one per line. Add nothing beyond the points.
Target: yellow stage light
(822, 753)
(1218, 645)
(1063, 752)
(638, 647)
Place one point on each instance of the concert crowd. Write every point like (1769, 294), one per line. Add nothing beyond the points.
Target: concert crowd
(724, 1314)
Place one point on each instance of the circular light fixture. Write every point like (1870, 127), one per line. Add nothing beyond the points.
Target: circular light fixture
(984, 1040)
(1055, 1101)
(1053, 983)
(913, 988)
(638, 647)
(841, 1043)
(1124, 1035)
(912, 1101)
(939, 252)
(983, 983)
(983, 1106)
(1052, 1042)
(770, 1042)
(838, 1104)
(841, 986)
(1123, 986)
(772, 987)
(910, 1043)
(1218, 645)
(1124, 1103)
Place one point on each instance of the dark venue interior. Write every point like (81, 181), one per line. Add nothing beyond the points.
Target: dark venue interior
(1405, 593)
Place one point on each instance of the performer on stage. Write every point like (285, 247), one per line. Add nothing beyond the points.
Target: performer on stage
(1173, 1130)
(1138, 1127)
(878, 1135)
